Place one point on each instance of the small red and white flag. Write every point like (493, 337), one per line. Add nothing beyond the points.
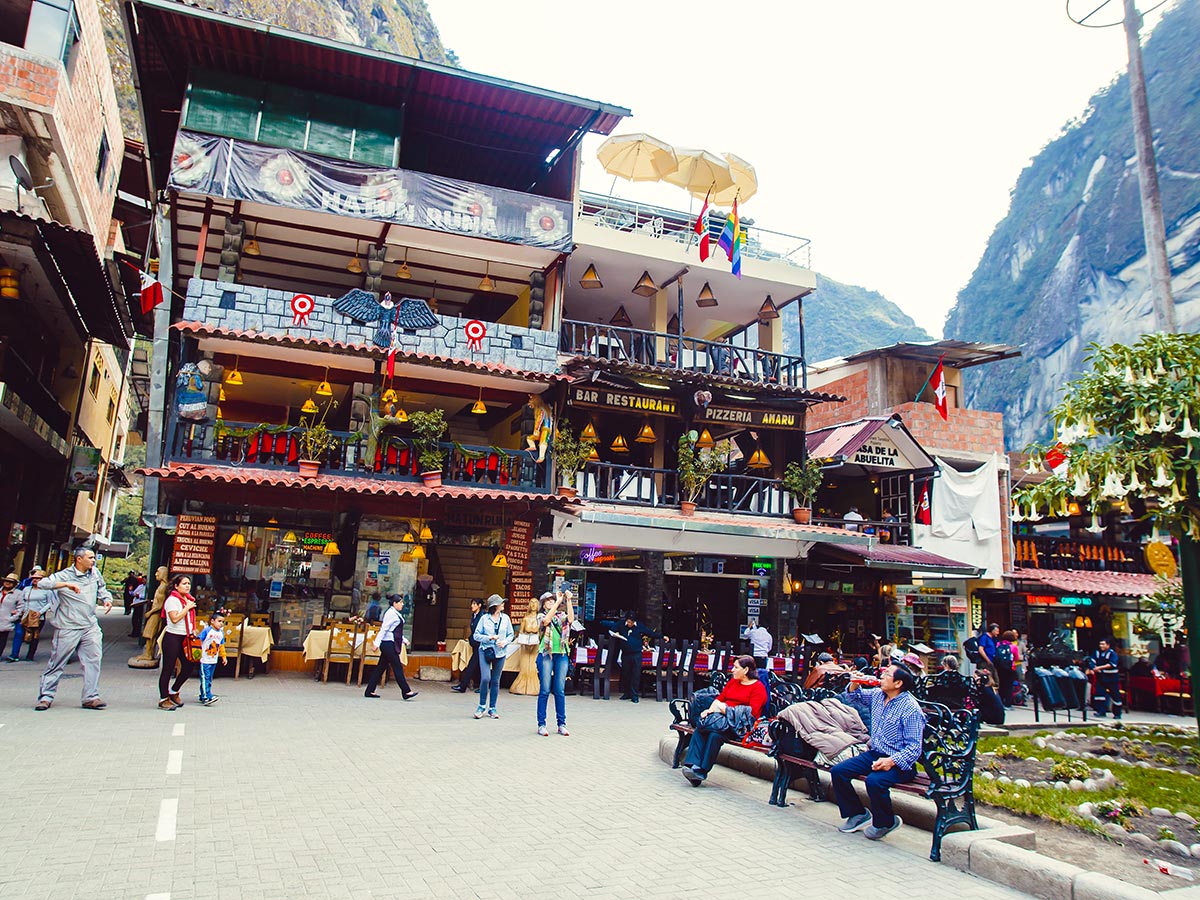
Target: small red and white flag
(923, 514)
(938, 382)
(152, 289)
(701, 229)
(1056, 459)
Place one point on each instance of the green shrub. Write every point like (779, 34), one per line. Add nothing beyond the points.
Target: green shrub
(1066, 769)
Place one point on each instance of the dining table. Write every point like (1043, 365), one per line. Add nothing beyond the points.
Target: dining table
(586, 656)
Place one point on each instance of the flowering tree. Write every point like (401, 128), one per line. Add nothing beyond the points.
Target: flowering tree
(1125, 430)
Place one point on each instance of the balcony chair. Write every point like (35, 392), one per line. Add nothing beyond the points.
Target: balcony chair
(585, 485)
(637, 488)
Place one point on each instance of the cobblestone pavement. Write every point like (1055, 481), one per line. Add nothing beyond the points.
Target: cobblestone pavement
(288, 788)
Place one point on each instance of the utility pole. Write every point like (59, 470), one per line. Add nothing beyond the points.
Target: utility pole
(1152, 214)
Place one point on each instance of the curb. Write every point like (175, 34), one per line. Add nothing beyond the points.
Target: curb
(1001, 853)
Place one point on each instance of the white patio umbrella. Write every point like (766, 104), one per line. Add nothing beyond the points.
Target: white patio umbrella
(745, 182)
(636, 157)
(700, 172)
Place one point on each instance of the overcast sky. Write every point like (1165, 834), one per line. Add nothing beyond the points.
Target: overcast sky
(888, 132)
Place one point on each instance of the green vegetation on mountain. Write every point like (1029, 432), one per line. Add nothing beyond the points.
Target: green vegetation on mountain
(840, 319)
(1066, 265)
(392, 26)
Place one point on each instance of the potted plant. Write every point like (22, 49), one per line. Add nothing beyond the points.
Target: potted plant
(696, 467)
(570, 455)
(427, 429)
(313, 443)
(802, 480)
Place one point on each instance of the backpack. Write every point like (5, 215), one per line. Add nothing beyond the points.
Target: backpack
(971, 646)
(1004, 655)
(759, 735)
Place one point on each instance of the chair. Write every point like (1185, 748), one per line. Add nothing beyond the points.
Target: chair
(341, 649)
(234, 624)
(585, 484)
(606, 657)
(685, 673)
(664, 686)
(654, 227)
(341, 603)
(260, 620)
(721, 658)
(368, 655)
(637, 487)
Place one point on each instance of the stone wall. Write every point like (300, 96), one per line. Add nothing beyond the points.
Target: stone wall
(241, 307)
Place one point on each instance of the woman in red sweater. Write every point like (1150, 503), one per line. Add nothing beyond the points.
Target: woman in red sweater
(743, 689)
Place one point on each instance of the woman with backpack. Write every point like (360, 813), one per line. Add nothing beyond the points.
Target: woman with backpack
(1005, 662)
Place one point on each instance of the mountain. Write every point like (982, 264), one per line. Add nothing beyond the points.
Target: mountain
(394, 26)
(840, 319)
(1067, 265)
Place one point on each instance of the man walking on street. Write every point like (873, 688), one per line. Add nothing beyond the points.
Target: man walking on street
(897, 727)
(470, 671)
(78, 590)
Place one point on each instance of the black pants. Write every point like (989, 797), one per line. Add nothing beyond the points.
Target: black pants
(1007, 679)
(4, 643)
(135, 624)
(172, 652)
(388, 656)
(33, 642)
(468, 678)
(631, 671)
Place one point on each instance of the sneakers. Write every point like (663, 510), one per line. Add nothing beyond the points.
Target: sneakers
(479, 713)
(95, 703)
(492, 714)
(209, 701)
(11, 659)
(43, 705)
(543, 731)
(459, 689)
(874, 834)
(562, 729)
(855, 823)
(695, 778)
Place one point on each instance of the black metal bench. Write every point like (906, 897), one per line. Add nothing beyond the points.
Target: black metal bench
(947, 755)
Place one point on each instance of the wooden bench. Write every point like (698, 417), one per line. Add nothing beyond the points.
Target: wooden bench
(947, 754)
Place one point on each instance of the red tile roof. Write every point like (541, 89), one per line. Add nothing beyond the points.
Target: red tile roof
(203, 329)
(1107, 584)
(200, 472)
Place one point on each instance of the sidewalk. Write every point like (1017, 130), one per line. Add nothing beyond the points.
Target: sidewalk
(288, 788)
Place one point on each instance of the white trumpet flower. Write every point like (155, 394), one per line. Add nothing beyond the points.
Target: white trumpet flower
(1164, 424)
(1159, 368)
(1034, 515)
(1143, 427)
(1083, 483)
(1112, 487)
(1016, 513)
(1161, 478)
(1175, 496)
(1148, 378)
(1091, 427)
(1129, 379)
(1135, 485)
(1187, 432)
(1095, 527)
(1032, 466)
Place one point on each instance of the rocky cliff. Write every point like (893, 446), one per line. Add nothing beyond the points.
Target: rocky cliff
(394, 26)
(1067, 266)
(840, 319)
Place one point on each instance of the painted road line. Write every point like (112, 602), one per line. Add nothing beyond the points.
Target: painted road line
(174, 762)
(168, 813)
(177, 729)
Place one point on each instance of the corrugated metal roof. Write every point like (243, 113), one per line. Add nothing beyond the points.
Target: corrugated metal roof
(908, 559)
(203, 329)
(456, 123)
(843, 441)
(958, 354)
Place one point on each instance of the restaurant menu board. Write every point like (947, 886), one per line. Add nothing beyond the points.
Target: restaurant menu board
(195, 543)
(520, 578)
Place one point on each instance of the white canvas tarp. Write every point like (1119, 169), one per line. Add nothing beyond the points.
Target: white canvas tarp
(966, 500)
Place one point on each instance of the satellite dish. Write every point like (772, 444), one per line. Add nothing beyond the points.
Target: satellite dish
(24, 179)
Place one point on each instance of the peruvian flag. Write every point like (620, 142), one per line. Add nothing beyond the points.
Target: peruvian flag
(701, 228)
(922, 515)
(1056, 459)
(152, 289)
(938, 382)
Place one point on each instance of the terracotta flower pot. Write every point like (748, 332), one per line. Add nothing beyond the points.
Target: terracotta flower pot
(432, 479)
(564, 491)
(802, 514)
(687, 508)
(309, 467)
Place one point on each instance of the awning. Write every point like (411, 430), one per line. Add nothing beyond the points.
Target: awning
(1104, 584)
(718, 534)
(900, 557)
(73, 269)
(875, 444)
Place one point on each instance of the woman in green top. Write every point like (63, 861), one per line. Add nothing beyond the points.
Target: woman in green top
(554, 631)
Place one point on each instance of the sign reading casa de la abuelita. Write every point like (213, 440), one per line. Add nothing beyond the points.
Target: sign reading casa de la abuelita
(608, 399)
(879, 452)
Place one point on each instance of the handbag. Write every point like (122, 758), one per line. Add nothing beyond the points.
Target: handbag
(32, 620)
(191, 647)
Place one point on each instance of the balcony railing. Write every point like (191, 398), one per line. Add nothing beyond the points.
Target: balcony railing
(661, 350)
(741, 494)
(352, 454)
(892, 532)
(1040, 552)
(676, 225)
(15, 373)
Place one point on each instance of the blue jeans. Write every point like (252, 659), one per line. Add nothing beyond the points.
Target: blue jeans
(878, 787)
(206, 677)
(489, 680)
(703, 749)
(552, 676)
(18, 635)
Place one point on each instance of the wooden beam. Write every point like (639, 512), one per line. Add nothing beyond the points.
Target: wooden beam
(202, 243)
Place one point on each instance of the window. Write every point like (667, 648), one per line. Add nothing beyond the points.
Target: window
(94, 380)
(102, 159)
(53, 30)
(112, 409)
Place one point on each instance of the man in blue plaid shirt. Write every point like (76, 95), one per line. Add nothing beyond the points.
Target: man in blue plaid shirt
(897, 727)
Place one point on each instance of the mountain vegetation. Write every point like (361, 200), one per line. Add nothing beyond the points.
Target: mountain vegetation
(1067, 265)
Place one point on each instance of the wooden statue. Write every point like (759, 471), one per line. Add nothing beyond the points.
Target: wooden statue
(148, 659)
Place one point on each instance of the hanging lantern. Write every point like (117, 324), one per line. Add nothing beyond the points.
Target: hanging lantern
(236, 540)
(331, 549)
(706, 299)
(589, 434)
(221, 394)
(426, 532)
(645, 287)
(479, 408)
(593, 456)
(234, 376)
(618, 445)
(590, 280)
(768, 310)
(404, 272)
(621, 318)
(10, 284)
(324, 389)
(758, 460)
(272, 524)
(290, 537)
(408, 537)
(705, 441)
(486, 283)
(646, 435)
(500, 561)
(309, 407)
(418, 552)
(1073, 509)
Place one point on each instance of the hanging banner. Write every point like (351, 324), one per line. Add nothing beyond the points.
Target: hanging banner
(240, 170)
(85, 469)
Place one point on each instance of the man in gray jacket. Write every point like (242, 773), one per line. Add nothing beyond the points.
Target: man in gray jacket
(78, 589)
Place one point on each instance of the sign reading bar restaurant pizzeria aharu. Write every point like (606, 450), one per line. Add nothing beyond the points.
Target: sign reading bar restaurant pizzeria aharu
(751, 418)
(609, 399)
(195, 541)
